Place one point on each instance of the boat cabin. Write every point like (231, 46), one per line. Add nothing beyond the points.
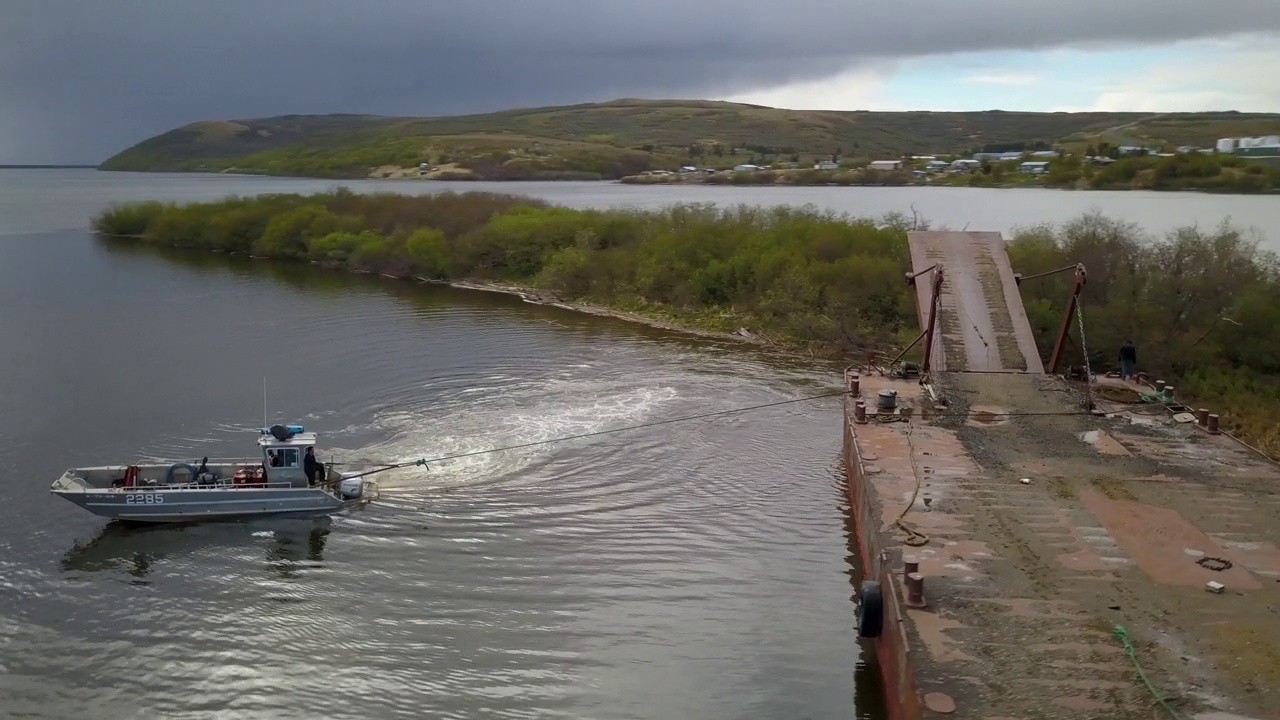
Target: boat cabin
(284, 448)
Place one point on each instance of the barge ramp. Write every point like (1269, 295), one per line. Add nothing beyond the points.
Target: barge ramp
(1037, 561)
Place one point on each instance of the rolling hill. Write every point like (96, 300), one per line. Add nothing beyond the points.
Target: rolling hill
(623, 137)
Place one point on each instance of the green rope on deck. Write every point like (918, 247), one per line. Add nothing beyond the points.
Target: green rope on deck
(1132, 652)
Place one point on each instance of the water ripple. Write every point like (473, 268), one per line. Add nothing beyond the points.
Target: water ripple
(561, 580)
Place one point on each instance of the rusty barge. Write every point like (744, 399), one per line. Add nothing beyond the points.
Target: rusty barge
(1035, 548)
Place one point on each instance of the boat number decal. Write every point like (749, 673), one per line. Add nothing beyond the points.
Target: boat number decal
(144, 498)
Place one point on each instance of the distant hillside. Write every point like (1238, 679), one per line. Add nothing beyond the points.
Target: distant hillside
(623, 137)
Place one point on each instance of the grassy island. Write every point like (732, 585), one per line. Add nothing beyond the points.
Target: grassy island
(826, 284)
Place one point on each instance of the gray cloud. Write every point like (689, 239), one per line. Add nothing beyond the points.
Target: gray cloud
(80, 80)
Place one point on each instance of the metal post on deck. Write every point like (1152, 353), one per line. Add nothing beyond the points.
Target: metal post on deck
(1070, 310)
(852, 382)
(1066, 317)
(915, 590)
(933, 322)
(911, 277)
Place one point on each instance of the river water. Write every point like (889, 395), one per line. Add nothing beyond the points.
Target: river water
(73, 196)
(700, 570)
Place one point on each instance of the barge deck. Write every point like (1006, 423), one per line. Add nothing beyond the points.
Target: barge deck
(1037, 560)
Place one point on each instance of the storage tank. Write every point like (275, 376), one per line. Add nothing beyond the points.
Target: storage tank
(1226, 145)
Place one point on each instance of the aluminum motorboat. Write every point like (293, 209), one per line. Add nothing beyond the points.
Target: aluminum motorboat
(274, 483)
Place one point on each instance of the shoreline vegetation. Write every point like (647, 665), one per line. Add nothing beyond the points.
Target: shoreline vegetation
(820, 284)
(649, 141)
(1178, 172)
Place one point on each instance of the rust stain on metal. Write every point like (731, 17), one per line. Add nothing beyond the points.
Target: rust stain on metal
(1158, 539)
(932, 629)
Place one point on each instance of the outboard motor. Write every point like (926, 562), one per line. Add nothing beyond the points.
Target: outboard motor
(351, 488)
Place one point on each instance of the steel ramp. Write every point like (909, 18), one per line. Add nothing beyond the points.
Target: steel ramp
(982, 325)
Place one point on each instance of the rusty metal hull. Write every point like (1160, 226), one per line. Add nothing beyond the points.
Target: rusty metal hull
(1019, 584)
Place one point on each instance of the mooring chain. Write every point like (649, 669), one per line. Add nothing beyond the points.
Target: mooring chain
(1084, 350)
(935, 347)
(934, 342)
(1084, 347)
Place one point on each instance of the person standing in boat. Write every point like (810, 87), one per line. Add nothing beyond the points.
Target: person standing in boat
(312, 467)
(1128, 361)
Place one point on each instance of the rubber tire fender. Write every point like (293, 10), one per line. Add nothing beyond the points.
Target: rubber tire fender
(870, 609)
(168, 476)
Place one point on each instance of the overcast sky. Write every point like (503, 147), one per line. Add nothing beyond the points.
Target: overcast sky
(82, 79)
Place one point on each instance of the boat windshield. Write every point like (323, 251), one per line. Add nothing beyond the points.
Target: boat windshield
(289, 457)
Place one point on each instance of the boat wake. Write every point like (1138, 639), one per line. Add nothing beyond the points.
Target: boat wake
(556, 409)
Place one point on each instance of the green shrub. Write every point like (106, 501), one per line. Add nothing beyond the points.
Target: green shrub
(798, 275)
(430, 253)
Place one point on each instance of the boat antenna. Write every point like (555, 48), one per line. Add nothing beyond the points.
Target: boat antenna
(264, 401)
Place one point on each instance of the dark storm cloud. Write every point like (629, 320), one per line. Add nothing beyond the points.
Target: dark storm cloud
(80, 80)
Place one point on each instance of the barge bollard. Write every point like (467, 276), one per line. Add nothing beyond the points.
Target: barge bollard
(860, 412)
(853, 384)
(1213, 423)
(1160, 387)
(1202, 417)
(915, 590)
(1168, 392)
(910, 564)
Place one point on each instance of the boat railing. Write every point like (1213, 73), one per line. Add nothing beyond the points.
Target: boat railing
(153, 463)
(221, 484)
(196, 461)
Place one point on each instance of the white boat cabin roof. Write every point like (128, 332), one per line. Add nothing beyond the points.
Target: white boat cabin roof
(296, 436)
(302, 440)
